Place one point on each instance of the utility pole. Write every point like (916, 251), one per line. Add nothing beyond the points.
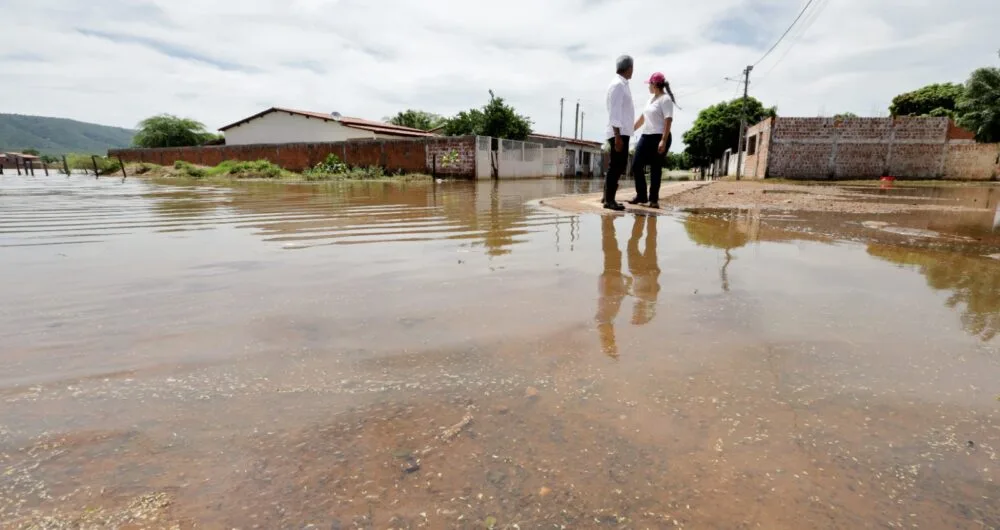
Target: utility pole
(576, 124)
(743, 122)
(582, 114)
(561, 101)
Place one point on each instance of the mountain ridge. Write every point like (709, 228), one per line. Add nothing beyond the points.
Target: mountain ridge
(58, 136)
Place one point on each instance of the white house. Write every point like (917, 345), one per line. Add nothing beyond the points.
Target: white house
(282, 126)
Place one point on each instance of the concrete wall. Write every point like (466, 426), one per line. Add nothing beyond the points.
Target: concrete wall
(283, 128)
(397, 155)
(514, 159)
(862, 148)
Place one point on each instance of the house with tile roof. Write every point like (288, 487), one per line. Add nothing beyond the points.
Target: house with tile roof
(278, 125)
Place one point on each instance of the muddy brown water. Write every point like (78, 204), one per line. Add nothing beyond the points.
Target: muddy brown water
(450, 356)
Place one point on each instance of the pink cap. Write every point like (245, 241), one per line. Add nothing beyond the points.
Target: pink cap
(656, 79)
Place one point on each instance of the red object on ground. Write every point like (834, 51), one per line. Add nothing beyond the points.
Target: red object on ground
(888, 179)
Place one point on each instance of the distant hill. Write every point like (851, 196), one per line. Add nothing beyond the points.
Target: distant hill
(56, 136)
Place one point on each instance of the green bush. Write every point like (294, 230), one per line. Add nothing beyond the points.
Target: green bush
(256, 169)
(189, 169)
(327, 168)
(84, 162)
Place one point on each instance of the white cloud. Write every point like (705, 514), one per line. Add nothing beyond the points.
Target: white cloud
(118, 61)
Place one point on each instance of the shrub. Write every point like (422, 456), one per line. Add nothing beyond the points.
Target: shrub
(256, 169)
(189, 169)
(331, 166)
(84, 162)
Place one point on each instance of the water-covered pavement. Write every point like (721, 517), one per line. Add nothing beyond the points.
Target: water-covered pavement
(447, 355)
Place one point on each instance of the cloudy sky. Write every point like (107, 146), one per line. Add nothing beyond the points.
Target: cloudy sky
(118, 61)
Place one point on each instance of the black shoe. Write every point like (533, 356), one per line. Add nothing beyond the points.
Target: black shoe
(637, 200)
(654, 205)
(618, 207)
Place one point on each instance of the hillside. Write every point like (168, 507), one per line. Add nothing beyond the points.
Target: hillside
(57, 136)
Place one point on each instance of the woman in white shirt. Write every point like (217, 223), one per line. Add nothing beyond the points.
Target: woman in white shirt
(654, 142)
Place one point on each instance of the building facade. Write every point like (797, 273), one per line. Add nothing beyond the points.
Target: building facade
(578, 158)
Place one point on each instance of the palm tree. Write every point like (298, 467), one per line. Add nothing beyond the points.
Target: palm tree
(979, 107)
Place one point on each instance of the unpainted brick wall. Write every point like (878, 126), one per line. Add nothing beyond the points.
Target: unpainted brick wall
(463, 146)
(403, 155)
(817, 148)
(972, 161)
(755, 165)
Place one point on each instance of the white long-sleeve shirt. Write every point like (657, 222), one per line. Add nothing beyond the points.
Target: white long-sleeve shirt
(621, 109)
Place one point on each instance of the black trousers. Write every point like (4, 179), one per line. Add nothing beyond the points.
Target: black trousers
(647, 154)
(618, 163)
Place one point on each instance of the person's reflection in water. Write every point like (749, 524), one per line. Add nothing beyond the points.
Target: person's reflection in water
(611, 287)
(645, 270)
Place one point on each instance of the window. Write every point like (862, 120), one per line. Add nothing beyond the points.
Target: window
(752, 145)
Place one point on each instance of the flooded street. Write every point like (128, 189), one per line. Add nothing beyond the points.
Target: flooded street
(375, 355)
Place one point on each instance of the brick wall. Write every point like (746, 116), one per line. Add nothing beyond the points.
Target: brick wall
(821, 148)
(755, 165)
(971, 161)
(437, 149)
(403, 155)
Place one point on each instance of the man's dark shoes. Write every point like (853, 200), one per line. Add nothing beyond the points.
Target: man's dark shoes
(637, 200)
(616, 206)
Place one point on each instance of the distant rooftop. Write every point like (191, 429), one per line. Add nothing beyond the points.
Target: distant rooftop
(573, 141)
(354, 123)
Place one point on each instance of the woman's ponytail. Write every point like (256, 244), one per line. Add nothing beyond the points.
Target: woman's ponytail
(666, 88)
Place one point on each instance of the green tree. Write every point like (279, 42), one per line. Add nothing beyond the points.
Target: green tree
(165, 130)
(30, 151)
(417, 119)
(717, 128)
(496, 119)
(845, 115)
(979, 107)
(464, 123)
(939, 99)
(681, 161)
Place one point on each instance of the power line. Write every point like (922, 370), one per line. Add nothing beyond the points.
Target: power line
(782, 37)
(803, 29)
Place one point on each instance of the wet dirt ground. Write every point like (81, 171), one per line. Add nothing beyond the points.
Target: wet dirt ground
(450, 356)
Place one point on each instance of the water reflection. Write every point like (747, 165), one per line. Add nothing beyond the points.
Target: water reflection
(974, 283)
(727, 232)
(489, 215)
(643, 283)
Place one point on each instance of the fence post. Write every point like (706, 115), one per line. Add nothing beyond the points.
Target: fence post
(17, 164)
(122, 164)
(45, 167)
(97, 174)
(65, 165)
(29, 167)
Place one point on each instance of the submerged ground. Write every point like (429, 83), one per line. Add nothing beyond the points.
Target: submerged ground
(453, 356)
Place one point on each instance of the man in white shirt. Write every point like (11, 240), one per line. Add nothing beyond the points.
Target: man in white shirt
(621, 119)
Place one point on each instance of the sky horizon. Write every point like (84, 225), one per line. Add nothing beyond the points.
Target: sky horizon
(115, 62)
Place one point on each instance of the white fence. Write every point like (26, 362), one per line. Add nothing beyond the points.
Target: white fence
(512, 159)
(553, 161)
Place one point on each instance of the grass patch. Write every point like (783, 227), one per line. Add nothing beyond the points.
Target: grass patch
(331, 170)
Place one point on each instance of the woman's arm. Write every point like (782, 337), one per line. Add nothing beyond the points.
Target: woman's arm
(666, 134)
(639, 122)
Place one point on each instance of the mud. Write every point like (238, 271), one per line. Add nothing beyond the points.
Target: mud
(844, 199)
(402, 356)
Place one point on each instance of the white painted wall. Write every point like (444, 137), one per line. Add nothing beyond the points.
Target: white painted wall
(282, 128)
